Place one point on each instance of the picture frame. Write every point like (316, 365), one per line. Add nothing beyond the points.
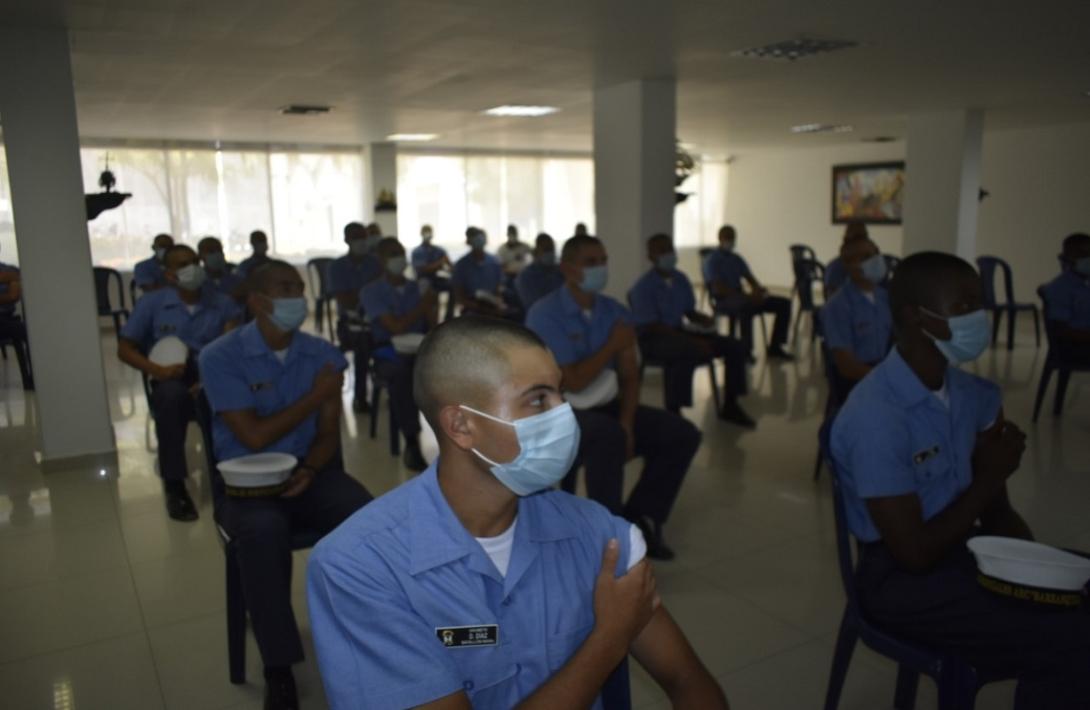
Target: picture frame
(871, 193)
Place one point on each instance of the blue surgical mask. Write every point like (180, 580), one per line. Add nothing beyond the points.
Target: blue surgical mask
(874, 269)
(159, 253)
(372, 241)
(358, 247)
(395, 266)
(1082, 265)
(666, 262)
(425, 237)
(288, 313)
(594, 278)
(548, 443)
(477, 241)
(215, 260)
(190, 277)
(970, 335)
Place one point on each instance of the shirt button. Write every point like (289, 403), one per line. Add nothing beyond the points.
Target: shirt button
(468, 685)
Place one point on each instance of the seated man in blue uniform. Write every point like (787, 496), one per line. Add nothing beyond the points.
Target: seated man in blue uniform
(474, 584)
(273, 388)
(724, 272)
(197, 316)
(394, 305)
(428, 261)
(259, 242)
(923, 452)
(220, 275)
(857, 322)
(477, 280)
(347, 275)
(1068, 301)
(12, 327)
(836, 273)
(542, 276)
(591, 336)
(663, 307)
(148, 274)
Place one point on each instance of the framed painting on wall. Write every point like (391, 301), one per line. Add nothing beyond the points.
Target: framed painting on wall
(871, 193)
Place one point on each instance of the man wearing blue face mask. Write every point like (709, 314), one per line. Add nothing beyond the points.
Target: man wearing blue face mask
(1068, 301)
(923, 452)
(347, 275)
(672, 332)
(273, 388)
(593, 340)
(542, 276)
(477, 280)
(220, 275)
(397, 306)
(149, 274)
(856, 322)
(475, 584)
(259, 243)
(197, 316)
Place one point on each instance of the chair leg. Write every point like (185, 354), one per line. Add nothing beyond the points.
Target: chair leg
(1037, 326)
(1046, 375)
(817, 465)
(908, 681)
(842, 658)
(957, 688)
(1010, 328)
(376, 397)
(1064, 376)
(395, 435)
(715, 385)
(22, 355)
(236, 618)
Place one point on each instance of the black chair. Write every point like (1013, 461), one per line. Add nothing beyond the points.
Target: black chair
(21, 345)
(236, 599)
(317, 280)
(892, 262)
(957, 681)
(807, 271)
(133, 292)
(1056, 361)
(988, 265)
(378, 384)
(104, 279)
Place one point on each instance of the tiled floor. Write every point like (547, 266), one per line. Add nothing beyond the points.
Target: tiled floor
(105, 603)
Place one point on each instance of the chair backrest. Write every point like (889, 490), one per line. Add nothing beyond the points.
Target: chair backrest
(807, 271)
(800, 252)
(104, 277)
(843, 536)
(892, 262)
(318, 275)
(988, 266)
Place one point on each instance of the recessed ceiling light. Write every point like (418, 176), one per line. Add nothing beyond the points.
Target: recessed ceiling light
(821, 128)
(406, 137)
(303, 110)
(521, 111)
(792, 49)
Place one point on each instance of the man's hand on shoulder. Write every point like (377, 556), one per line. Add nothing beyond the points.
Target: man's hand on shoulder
(623, 605)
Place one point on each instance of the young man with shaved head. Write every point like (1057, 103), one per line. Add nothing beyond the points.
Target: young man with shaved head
(273, 388)
(220, 275)
(923, 451)
(475, 584)
(1067, 299)
(856, 322)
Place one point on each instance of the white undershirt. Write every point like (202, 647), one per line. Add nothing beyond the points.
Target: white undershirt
(499, 548)
(192, 308)
(281, 355)
(943, 395)
(869, 295)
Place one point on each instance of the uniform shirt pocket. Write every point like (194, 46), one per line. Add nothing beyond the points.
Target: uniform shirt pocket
(487, 675)
(562, 646)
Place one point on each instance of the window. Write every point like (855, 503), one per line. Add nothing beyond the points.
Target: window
(697, 220)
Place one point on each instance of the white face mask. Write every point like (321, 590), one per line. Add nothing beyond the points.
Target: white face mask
(190, 278)
(548, 443)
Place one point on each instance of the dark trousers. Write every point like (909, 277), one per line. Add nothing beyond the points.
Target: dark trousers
(667, 444)
(353, 336)
(398, 378)
(680, 353)
(946, 609)
(745, 310)
(262, 528)
(13, 333)
(172, 407)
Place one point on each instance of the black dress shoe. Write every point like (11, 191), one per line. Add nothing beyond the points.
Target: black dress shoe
(652, 535)
(360, 406)
(734, 414)
(778, 353)
(180, 505)
(413, 458)
(280, 693)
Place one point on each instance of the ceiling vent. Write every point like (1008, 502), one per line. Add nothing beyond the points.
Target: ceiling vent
(821, 128)
(793, 49)
(303, 110)
(880, 139)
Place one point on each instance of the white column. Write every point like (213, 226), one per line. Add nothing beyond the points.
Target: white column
(382, 159)
(38, 111)
(942, 182)
(634, 135)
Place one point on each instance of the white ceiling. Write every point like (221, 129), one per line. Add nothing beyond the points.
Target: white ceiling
(219, 69)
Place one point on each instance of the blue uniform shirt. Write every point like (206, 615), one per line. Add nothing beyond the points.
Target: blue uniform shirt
(241, 372)
(382, 587)
(426, 254)
(1068, 299)
(473, 276)
(348, 274)
(571, 334)
(655, 299)
(380, 297)
(9, 309)
(894, 436)
(536, 281)
(836, 275)
(727, 267)
(250, 263)
(225, 284)
(158, 314)
(148, 273)
(852, 322)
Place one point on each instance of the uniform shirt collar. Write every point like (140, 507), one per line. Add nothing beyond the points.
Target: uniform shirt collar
(172, 298)
(903, 381)
(254, 345)
(567, 301)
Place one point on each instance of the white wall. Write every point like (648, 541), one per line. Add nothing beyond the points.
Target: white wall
(1039, 180)
(778, 197)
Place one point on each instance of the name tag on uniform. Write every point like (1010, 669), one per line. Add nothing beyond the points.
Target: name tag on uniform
(258, 386)
(468, 636)
(921, 456)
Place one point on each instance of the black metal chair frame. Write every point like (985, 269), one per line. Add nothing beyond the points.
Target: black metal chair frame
(103, 302)
(1054, 363)
(988, 265)
(317, 273)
